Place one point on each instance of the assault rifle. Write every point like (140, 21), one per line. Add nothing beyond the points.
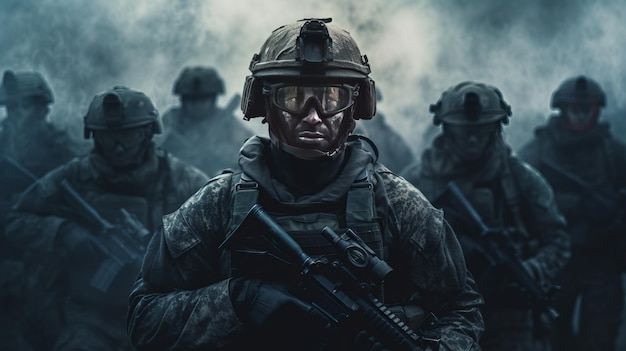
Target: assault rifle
(500, 251)
(601, 208)
(341, 288)
(16, 166)
(123, 242)
(14, 178)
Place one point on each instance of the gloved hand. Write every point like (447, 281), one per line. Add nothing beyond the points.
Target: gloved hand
(269, 304)
(77, 243)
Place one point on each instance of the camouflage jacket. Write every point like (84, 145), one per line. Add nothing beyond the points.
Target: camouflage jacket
(181, 299)
(38, 150)
(506, 193)
(56, 288)
(596, 208)
(165, 181)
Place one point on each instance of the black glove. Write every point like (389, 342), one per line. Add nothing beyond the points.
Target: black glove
(78, 244)
(268, 304)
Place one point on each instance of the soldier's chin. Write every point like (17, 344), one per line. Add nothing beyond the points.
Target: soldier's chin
(580, 127)
(470, 155)
(117, 162)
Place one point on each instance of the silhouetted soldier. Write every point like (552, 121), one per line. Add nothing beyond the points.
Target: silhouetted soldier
(85, 224)
(586, 167)
(198, 131)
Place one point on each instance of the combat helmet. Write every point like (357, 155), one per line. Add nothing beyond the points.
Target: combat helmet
(309, 49)
(471, 103)
(121, 108)
(198, 82)
(16, 85)
(580, 89)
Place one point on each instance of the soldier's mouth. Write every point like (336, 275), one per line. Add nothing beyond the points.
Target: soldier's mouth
(310, 136)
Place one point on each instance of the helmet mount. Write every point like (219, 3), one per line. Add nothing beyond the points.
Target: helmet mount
(314, 46)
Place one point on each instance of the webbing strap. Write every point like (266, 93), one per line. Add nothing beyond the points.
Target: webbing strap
(246, 194)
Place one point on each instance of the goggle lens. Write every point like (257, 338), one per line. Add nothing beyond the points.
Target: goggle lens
(329, 99)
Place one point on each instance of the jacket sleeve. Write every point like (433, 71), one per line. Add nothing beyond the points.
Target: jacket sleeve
(546, 226)
(34, 220)
(437, 269)
(180, 300)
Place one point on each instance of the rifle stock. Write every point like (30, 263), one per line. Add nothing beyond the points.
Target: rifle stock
(340, 289)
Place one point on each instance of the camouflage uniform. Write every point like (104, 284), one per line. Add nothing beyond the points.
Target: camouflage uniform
(186, 296)
(595, 216)
(36, 145)
(193, 311)
(65, 311)
(506, 193)
(212, 142)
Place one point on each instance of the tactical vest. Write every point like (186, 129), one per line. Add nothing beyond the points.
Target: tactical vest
(147, 210)
(586, 218)
(254, 257)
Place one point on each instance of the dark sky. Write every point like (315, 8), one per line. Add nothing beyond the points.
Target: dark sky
(416, 49)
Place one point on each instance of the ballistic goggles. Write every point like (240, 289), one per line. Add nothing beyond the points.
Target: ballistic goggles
(328, 99)
(127, 138)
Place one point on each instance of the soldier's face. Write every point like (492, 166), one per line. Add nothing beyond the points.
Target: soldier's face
(198, 108)
(311, 131)
(124, 147)
(470, 141)
(27, 110)
(311, 116)
(581, 117)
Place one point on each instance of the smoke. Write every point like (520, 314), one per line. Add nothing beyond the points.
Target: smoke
(416, 49)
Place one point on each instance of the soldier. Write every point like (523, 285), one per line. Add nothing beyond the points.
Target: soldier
(195, 295)
(30, 145)
(586, 167)
(85, 224)
(393, 150)
(502, 211)
(198, 131)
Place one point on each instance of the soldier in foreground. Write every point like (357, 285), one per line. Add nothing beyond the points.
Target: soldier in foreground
(586, 167)
(30, 145)
(85, 225)
(502, 211)
(196, 292)
(198, 131)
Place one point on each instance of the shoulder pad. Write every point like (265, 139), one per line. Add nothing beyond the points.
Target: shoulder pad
(179, 237)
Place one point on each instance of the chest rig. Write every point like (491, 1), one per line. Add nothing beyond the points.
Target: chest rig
(253, 257)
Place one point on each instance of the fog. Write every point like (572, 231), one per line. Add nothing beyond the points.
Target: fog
(416, 49)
